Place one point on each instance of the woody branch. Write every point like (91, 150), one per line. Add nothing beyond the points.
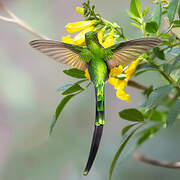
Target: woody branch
(160, 163)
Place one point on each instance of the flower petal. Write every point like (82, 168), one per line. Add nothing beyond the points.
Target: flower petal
(113, 82)
(100, 36)
(87, 74)
(78, 26)
(80, 38)
(123, 95)
(116, 71)
(130, 70)
(68, 39)
(109, 41)
(121, 84)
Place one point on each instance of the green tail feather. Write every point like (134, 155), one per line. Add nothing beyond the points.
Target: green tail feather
(99, 122)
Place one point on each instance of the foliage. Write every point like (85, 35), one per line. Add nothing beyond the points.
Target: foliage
(162, 105)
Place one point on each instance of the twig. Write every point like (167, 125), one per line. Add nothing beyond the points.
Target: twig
(15, 20)
(160, 163)
(137, 85)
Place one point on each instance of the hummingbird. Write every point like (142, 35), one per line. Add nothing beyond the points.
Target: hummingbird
(99, 61)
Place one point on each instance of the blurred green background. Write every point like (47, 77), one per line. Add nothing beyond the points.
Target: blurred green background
(28, 98)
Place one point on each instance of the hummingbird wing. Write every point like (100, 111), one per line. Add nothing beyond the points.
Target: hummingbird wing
(125, 52)
(61, 52)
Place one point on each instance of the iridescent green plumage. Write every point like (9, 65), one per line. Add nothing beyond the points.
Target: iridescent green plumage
(99, 61)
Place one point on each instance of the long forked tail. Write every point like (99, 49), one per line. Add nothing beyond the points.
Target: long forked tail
(98, 129)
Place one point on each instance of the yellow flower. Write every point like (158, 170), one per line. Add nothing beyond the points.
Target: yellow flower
(130, 70)
(68, 39)
(120, 85)
(78, 26)
(123, 95)
(83, 26)
(80, 10)
(109, 41)
(100, 36)
(116, 71)
(87, 74)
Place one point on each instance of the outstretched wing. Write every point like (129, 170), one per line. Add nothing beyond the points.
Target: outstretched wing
(61, 52)
(125, 52)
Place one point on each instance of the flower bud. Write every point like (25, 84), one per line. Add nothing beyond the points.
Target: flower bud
(80, 10)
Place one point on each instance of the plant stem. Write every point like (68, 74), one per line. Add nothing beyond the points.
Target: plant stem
(136, 85)
(16, 20)
(176, 44)
(161, 163)
(165, 75)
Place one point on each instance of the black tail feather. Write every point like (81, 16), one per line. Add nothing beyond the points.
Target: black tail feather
(94, 148)
(98, 129)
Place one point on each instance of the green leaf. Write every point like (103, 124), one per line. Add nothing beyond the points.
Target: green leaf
(131, 115)
(173, 113)
(75, 73)
(143, 68)
(157, 13)
(74, 88)
(127, 128)
(172, 10)
(145, 12)
(158, 116)
(167, 68)
(67, 86)
(176, 23)
(176, 63)
(178, 81)
(151, 27)
(159, 53)
(59, 109)
(155, 115)
(133, 17)
(147, 133)
(157, 95)
(81, 81)
(136, 7)
(134, 24)
(165, 36)
(148, 91)
(143, 71)
(120, 150)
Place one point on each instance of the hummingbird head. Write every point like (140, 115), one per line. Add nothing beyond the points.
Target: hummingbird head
(91, 35)
(91, 38)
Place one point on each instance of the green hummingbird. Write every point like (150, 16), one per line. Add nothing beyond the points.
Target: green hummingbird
(99, 62)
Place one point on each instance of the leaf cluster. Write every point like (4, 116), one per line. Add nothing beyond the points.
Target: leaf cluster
(101, 23)
(162, 104)
(69, 91)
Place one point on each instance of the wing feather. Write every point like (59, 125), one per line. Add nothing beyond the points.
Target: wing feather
(128, 51)
(61, 52)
